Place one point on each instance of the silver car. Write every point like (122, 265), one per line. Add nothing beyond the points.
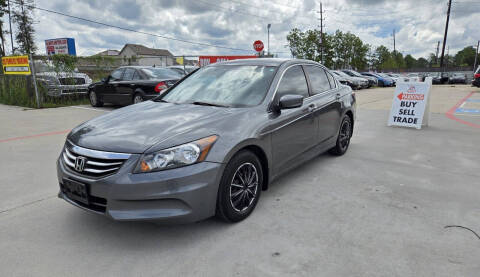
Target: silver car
(209, 145)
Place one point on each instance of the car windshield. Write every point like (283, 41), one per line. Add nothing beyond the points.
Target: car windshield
(341, 74)
(161, 73)
(224, 85)
(357, 74)
(458, 75)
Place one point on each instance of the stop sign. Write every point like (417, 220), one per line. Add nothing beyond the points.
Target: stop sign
(258, 45)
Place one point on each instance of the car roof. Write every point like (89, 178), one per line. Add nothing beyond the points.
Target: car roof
(264, 62)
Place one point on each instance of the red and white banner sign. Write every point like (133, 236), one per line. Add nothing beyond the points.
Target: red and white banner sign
(206, 60)
(410, 104)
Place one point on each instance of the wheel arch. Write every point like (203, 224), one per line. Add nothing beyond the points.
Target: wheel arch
(260, 152)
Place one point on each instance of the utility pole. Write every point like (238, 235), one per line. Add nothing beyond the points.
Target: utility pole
(436, 53)
(446, 31)
(476, 57)
(10, 22)
(394, 48)
(321, 11)
(448, 57)
(268, 38)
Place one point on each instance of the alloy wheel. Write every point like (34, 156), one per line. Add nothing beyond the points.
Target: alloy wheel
(93, 98)
(345, 134)
(137, 99)
(244, 186)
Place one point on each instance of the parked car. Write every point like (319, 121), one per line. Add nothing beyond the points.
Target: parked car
(476, 78)
(64, 83)
(385, 76)
(445, 77)
(132, 84)
(395, 77)
(183, 70)
(436, 78)
(382, 81)
(353, 82)
(209, 145)
(59, 83)
(458, 78)
(371, 80)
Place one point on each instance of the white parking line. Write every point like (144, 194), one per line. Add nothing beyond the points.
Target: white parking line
(86, 108)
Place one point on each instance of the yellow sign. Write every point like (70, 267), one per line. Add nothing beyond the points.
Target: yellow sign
(179, 60)
(16, 65)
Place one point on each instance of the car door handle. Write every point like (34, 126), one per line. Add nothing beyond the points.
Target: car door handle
(132, 85)
(311, 108)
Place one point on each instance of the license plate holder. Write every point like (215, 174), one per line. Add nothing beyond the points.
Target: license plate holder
(76, 191)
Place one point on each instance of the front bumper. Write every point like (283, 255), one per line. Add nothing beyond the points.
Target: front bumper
(59, 90)
(180, 195)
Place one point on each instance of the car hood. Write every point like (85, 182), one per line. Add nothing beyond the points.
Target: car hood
(136, 128)
(63, 74)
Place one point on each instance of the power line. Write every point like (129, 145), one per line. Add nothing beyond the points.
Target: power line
(135, 31)
(230, 10)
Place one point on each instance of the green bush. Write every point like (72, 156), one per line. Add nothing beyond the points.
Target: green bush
(19, 91)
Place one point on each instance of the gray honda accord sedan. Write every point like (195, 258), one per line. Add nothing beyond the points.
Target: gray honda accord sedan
(209, 145)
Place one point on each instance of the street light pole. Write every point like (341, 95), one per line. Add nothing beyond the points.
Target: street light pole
(268, 38)
(476, 57)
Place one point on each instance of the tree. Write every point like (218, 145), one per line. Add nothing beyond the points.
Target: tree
(399, 62)
(340, 50)
(465, 57)
(410, 61)
(22, 16)
(422, 63)
(3, 32)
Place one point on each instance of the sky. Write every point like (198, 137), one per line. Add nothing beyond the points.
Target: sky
(419, 24)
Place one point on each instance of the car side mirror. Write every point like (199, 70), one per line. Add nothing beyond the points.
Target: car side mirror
(105, 80)
(290, 101)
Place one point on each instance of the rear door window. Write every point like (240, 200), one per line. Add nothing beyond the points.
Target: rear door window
(293, 82)
(318, 79)
(136, 76)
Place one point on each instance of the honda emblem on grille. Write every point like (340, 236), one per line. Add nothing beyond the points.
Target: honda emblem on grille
(80, 163)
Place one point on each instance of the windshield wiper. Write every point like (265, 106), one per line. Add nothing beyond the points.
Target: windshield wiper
(208, 104)
(160, 100)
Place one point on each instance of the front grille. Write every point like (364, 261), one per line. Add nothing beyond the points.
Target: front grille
(77, 90)
(95, 164)
(97, 204)
(71, 81)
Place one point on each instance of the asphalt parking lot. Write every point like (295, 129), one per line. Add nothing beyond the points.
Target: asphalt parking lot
(379, 210)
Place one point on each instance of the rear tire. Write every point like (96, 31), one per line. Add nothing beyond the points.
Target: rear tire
(240, 187)
(94, 101)
(344, 135)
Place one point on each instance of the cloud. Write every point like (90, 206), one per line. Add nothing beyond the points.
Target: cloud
(237, 23)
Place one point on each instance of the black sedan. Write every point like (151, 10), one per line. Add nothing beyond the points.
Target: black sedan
(131, 85)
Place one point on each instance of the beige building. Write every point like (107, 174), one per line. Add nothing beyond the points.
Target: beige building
(136, 54)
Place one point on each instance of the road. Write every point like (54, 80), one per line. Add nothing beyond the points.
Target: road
(379, 210)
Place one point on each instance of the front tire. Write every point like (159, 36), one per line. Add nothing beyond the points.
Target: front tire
(240, 187)
(94, 101)
(138, 98)
(344, 135)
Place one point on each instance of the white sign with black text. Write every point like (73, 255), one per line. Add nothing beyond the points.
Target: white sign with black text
(410, 107)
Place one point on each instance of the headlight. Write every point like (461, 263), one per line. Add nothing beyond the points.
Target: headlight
(178, 156)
